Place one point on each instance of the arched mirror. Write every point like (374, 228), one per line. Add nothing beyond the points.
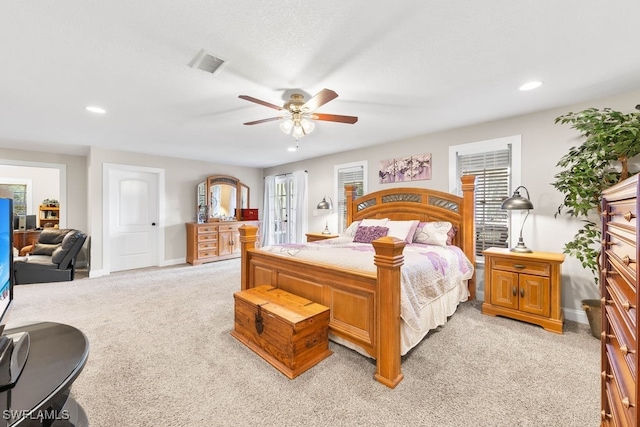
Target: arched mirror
(223, 198)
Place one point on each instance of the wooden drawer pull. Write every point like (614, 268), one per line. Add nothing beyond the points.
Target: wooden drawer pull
(604, 415)
(626, 260)
(606, 376)
(626, 305)
(605, 243)
(519, 266)
(628, 216)
(521, 292)
(627, 404)
(610, 272)
(625, 350)
(514, 291)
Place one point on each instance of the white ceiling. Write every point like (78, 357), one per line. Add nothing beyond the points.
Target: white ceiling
(405, 68)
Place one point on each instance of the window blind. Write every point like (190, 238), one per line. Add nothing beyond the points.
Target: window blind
(349, 175)
(492, 170)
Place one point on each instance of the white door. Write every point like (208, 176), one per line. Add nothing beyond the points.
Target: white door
(133, 219)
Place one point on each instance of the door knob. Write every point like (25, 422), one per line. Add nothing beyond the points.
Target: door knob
(153, 224)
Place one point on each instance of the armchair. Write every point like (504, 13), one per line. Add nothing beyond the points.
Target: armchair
(52, 258)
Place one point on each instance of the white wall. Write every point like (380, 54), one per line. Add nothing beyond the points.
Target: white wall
(543, 143)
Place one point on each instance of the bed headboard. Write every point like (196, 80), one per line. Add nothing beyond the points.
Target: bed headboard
(403, 204)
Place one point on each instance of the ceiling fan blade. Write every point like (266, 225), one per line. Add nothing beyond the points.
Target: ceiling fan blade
(321, 98)
(258, 101)
(271, 119)
(334, 118)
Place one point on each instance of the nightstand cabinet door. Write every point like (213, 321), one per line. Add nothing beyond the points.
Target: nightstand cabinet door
(504, 289)
(534, 292)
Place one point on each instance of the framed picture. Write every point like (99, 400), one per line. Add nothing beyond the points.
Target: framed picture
(412, 168)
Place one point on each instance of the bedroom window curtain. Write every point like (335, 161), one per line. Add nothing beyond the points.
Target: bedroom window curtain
(493, 185)
(348, 175)
(285, 208)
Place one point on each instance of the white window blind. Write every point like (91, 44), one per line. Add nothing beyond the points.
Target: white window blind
(493, 185)
(348, 175)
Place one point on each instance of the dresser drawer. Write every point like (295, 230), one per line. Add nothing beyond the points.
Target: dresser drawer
(624, 213)
(521, 266)
(208, 253)
(623, 382)
(228, 227)
(207, 237)
(622, 248)
(624, 306)
(207, 245)
(207, 229)
(620, 338)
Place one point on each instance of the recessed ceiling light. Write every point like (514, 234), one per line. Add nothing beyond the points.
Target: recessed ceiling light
(530, 85)
(96, 110)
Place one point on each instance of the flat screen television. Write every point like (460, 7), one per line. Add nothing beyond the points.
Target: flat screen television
(13, 348)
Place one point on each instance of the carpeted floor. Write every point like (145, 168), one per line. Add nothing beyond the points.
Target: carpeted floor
(161, 355)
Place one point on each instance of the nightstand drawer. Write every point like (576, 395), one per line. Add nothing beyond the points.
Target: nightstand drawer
(521, 266)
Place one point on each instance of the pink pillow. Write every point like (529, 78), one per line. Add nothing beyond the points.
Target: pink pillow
(369, 234)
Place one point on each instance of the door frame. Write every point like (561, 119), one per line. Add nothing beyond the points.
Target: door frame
(106, 203)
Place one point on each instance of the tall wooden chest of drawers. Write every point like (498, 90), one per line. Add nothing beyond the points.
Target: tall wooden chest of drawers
(619, 291)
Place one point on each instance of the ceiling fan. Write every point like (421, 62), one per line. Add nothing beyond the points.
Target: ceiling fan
(298, 113)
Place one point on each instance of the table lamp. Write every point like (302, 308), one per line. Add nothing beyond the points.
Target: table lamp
(518, 202)
(325, 205)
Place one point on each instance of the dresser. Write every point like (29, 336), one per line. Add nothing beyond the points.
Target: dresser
(214, 241)
(524, 286)
(618, 288)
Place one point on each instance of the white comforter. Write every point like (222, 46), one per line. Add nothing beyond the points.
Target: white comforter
(428, 271)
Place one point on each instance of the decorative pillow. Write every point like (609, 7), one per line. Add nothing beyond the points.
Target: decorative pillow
(451, 234)
(44, 248)
(403, 230)
(433, 233)
(350, 231)
(374, 222)
(369, 234)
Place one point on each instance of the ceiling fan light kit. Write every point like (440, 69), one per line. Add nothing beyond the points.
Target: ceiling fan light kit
(299, 114)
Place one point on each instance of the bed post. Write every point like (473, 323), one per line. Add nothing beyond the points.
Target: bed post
(349, 197)
(388, 260)
(248, 238)
(469, 225)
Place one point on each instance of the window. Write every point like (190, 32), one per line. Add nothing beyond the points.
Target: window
(496, 165)
(348, 173)
(20, 196)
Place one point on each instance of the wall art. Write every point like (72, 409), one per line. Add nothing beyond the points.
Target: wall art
(411, 168)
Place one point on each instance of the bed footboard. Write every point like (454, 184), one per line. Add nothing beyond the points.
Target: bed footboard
(364, 307)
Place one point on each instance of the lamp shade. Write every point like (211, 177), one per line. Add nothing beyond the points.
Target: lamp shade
(517, 202)
(324, 204)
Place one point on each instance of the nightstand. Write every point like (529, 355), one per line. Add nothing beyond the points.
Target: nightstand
(312, 237)
(524, 286)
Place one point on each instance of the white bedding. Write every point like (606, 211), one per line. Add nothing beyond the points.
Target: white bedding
(433, 277)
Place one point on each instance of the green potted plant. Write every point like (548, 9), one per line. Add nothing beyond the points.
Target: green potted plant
(611, 139)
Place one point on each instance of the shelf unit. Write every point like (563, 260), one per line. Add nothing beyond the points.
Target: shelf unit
(48, 215)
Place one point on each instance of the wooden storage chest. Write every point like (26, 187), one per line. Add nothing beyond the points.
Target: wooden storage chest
(288, 331)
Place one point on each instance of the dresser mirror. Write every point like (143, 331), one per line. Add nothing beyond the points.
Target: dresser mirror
(220, 198)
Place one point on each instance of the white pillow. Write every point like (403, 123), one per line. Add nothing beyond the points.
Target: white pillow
(370, 222)
(403, 230)
(433, 233)
(351, 229)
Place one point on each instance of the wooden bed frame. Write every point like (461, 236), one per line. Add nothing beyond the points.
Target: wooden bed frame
(365, 307)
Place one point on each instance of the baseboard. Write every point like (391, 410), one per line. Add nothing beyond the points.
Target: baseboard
(96, 273)
(569, 313)
(175, 261)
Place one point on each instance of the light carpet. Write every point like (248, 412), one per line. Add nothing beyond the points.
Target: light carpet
(161, 355)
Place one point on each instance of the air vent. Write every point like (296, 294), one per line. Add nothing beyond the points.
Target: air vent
(207, 62)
